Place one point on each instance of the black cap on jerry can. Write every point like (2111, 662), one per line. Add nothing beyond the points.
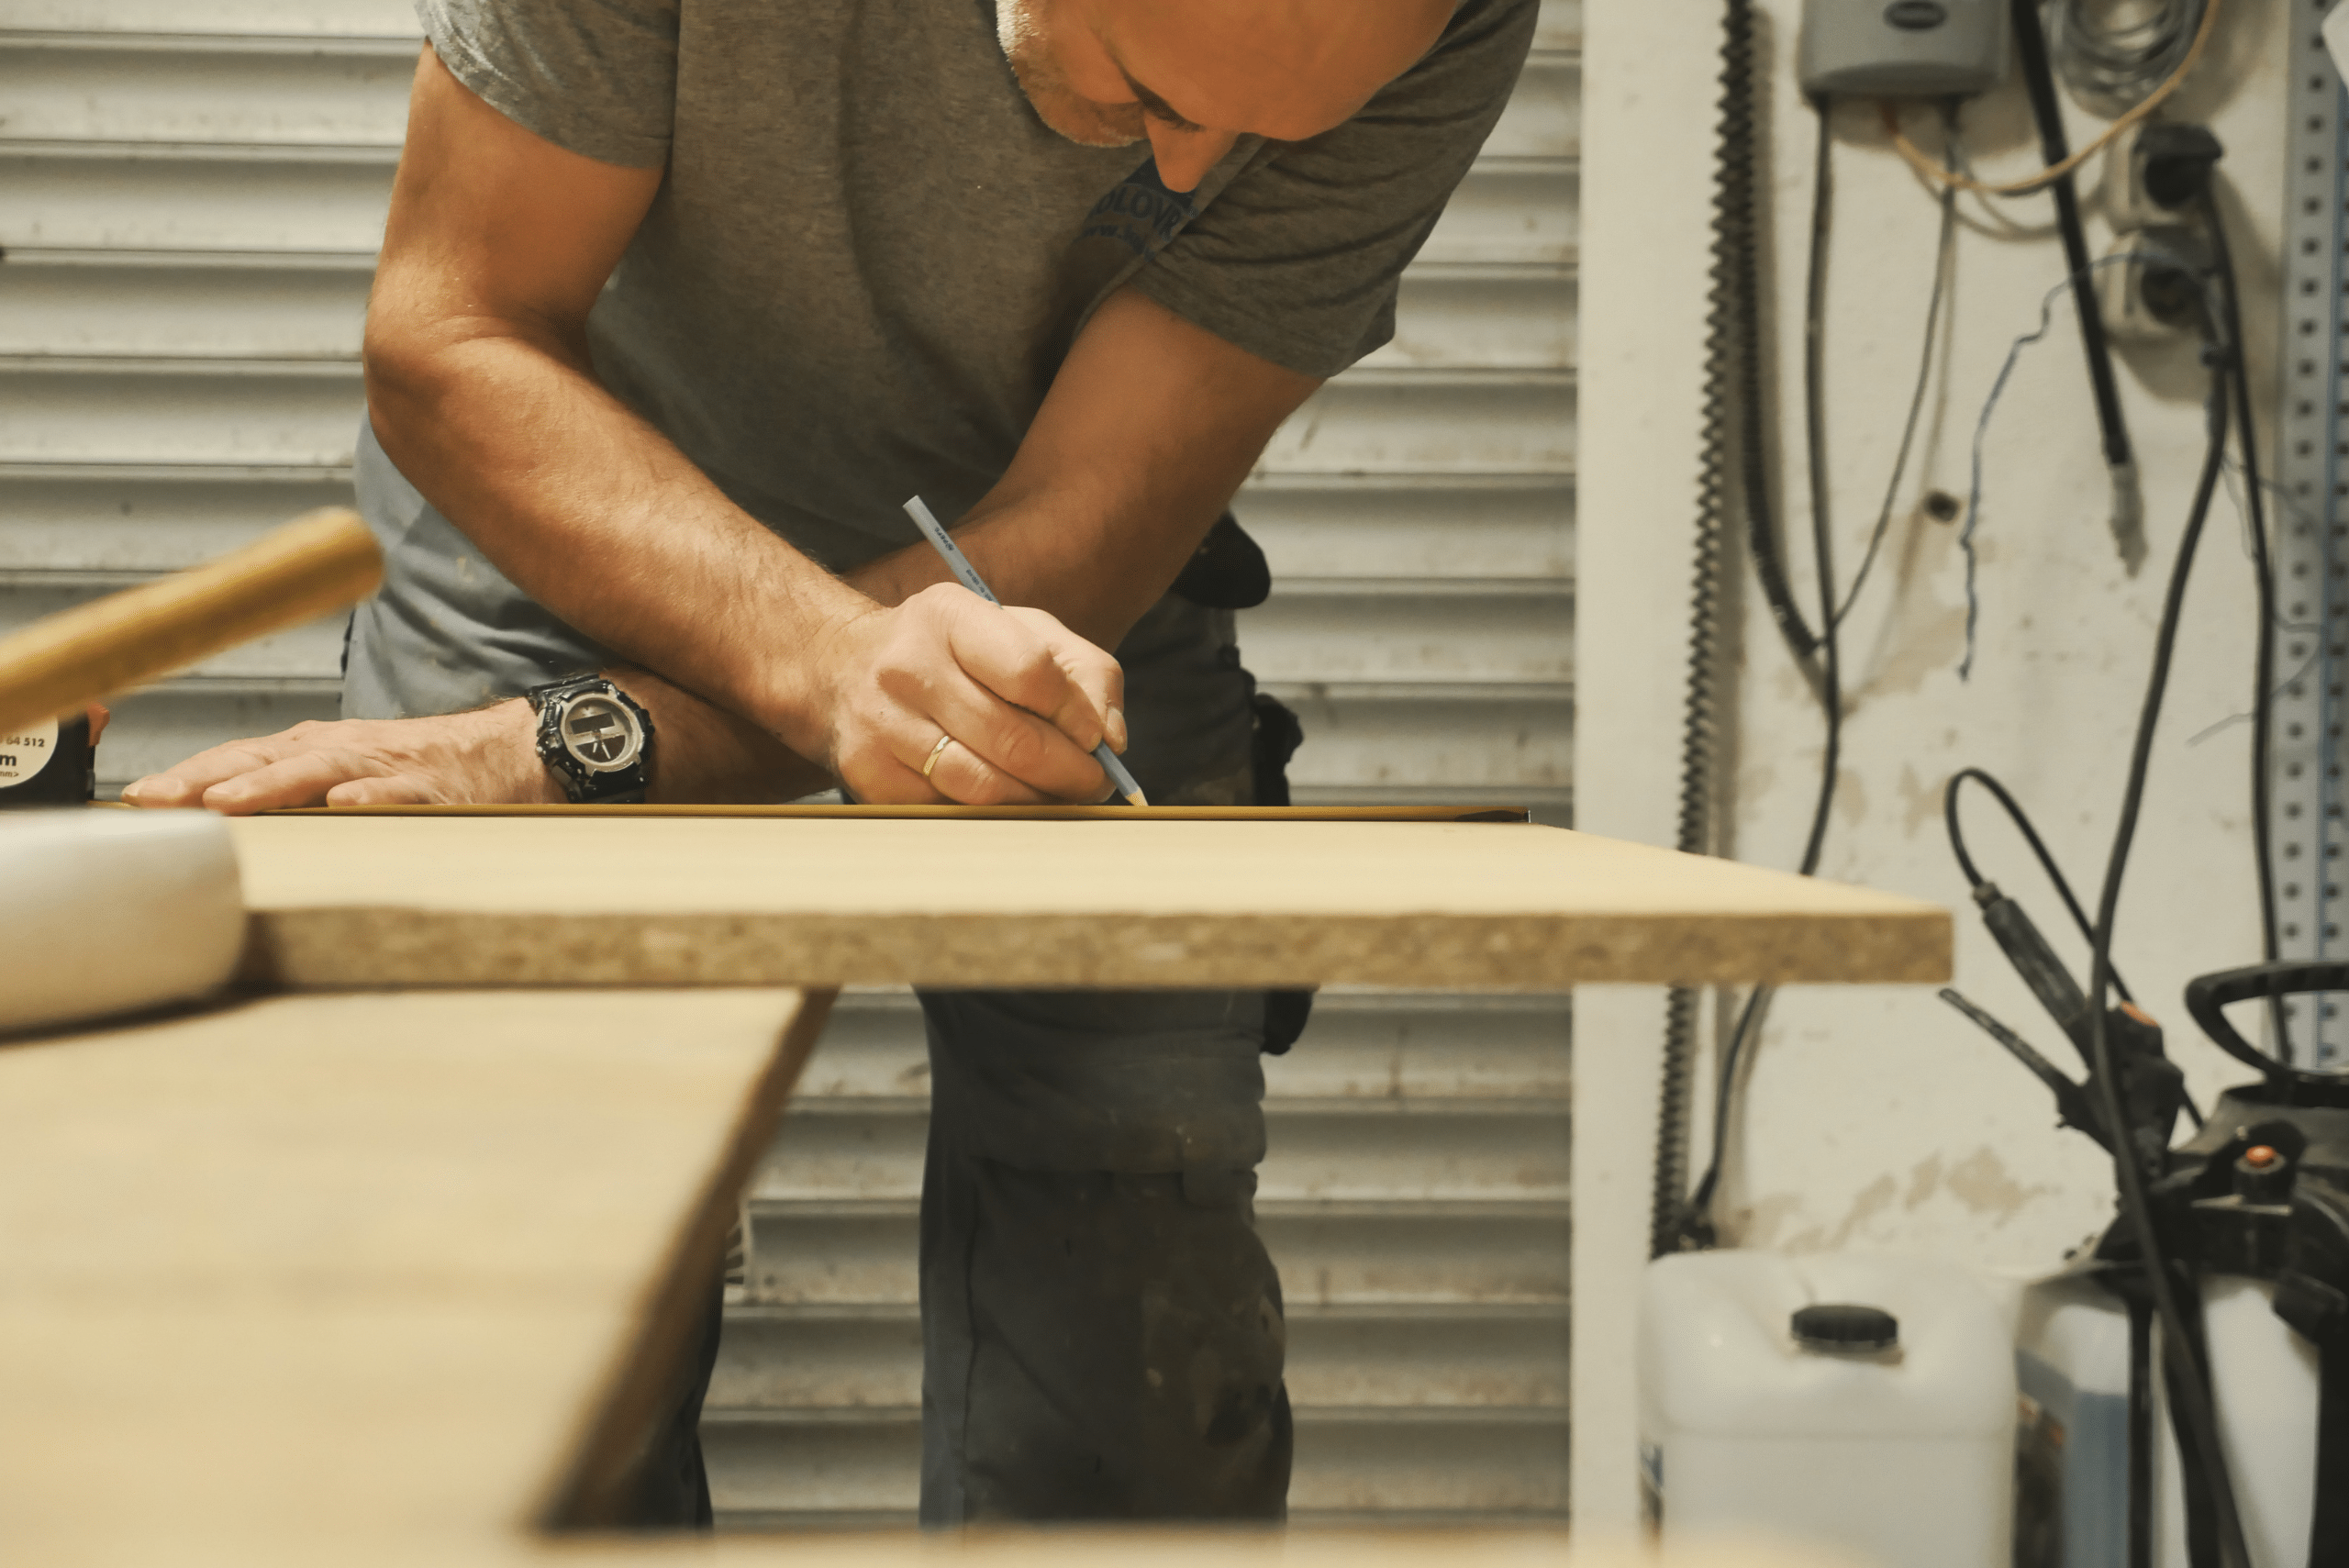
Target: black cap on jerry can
(1843, 1326)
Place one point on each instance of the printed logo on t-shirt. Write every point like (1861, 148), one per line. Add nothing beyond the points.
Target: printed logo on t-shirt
(1139, 212)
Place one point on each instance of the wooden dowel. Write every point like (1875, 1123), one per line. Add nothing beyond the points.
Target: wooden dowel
(320, 561)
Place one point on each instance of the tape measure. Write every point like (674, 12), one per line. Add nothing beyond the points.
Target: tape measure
(48, 764)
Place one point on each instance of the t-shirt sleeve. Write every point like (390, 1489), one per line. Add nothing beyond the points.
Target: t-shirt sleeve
(595, 77)
(1296, 260)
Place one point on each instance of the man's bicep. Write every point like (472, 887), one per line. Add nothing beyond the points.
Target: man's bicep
(1149, 428)
(490, 223)
(1148, 400)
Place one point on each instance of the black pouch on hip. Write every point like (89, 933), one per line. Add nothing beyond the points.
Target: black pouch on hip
(1277, 735)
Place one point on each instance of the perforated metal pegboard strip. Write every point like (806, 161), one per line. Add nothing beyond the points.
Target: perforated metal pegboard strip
(2313, 554)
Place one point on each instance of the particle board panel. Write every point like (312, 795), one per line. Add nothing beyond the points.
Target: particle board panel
(1177, 1547)
(361, 1268)
(364, 902)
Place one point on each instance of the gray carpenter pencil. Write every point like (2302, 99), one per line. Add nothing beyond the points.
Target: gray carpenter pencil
(968, 575)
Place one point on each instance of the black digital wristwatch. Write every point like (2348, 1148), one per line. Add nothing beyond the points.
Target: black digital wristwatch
(595, 738)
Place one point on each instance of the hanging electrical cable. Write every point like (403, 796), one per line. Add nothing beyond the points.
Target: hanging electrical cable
(2263, 702)
(1823, 533)
(2214, 1532)
(1694, 1225)
(2021, 819)
(1944, 258)
(1761, 540)
(1679, 1221)
(2192, 1408)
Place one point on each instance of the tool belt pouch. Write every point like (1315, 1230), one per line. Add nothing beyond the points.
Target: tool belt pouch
(1278, 733)
(1228, 571)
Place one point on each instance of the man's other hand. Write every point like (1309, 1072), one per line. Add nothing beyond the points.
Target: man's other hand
(486, 756)
(1024, 699)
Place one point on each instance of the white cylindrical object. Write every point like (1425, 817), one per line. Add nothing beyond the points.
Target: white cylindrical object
(107, 912)
(2265, 1386)
(1902, 1456)
(2071, 1353)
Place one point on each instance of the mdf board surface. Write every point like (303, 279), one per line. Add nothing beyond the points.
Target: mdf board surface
(363, 901)
(1201, 1546)
(1179, 1546)
(362, 1267)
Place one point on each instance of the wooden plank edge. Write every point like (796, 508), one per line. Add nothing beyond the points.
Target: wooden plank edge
(1507, 814)
(1179, 1545)
(381, 947)
(584, 1495)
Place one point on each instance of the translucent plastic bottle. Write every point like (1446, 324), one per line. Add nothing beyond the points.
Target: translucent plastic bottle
(1854, 1402)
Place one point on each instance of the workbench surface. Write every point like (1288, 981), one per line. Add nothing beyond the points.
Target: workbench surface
(366, 1269)
(387, 1280)
(351, 901)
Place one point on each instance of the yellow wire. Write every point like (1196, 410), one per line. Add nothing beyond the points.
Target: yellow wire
(1942, 174)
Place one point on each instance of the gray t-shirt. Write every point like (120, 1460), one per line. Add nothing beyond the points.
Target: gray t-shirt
(868, 257)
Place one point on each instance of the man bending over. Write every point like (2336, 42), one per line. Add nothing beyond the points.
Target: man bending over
(678, 301)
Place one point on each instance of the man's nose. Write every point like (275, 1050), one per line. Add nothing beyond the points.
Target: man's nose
(1186, 156)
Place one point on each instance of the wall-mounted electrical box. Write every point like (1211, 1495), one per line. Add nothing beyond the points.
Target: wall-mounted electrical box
(1901, 48)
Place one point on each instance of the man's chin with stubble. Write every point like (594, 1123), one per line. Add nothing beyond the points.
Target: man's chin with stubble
(1088, 124)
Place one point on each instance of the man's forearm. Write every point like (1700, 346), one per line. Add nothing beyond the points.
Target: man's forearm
(701, 753)
(600, 518)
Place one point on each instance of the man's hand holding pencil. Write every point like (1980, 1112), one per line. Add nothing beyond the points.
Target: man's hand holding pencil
(1017, 718)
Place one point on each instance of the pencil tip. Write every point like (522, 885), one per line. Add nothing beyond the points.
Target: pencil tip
(1136, 797)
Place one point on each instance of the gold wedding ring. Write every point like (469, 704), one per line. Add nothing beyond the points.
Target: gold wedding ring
(935, 752)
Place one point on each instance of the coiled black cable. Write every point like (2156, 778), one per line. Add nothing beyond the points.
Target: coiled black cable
(2112, 59)
(1726, 347)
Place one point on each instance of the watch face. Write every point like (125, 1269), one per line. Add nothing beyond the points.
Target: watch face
(601, 734)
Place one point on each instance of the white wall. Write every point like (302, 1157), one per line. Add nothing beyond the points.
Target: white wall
(1876, 1118)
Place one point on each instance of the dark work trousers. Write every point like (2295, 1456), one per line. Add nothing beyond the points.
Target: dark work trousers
(1102, 1332)
(667, 1487)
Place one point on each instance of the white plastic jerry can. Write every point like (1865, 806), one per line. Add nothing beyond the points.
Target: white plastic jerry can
(1859, 1403)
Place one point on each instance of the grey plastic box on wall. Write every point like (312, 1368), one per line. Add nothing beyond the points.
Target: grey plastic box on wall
(1901, 48)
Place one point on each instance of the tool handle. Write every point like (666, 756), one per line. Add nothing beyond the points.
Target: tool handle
(318, 562)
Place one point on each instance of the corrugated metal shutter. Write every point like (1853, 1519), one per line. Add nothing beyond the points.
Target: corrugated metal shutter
(190, 200)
